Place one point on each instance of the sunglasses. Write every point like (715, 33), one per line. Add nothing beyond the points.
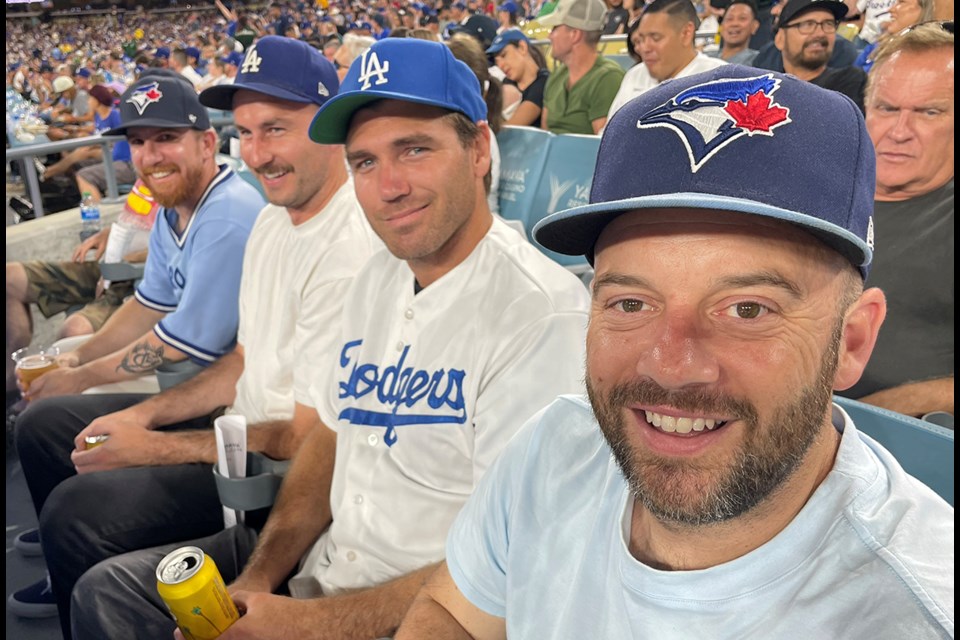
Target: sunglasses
(945, 25)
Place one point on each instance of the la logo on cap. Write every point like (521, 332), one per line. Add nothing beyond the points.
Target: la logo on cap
(371, 66)
(252, 62)
(144, 96)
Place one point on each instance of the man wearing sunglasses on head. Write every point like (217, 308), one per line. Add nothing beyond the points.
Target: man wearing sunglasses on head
(806, 36)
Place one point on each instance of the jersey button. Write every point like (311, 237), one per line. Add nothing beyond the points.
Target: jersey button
(351, 556)
(358, 499)
(373, 439)
(400, 346)
(408, 314)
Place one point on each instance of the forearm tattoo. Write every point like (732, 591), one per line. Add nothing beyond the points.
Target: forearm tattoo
(142, 358)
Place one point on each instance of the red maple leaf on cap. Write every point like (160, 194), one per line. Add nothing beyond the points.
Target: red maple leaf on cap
(756, 114)
(153, 94)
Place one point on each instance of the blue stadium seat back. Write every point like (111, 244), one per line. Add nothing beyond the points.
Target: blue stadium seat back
(622, 59)
(251, 177)
(523, 153)
(923, 449)
(565, 183)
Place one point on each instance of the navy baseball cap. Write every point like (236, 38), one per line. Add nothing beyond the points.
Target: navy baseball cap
(510, 36)
(734, 139)
(483, 28)
(508, 6)
(162, 52)
(280, 67)
(192, 52)
(83, 72)
(160, 101)
(407, 69)
(794, 8)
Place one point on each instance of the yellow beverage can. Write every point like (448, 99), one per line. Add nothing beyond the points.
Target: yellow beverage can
(95, 441)
(191, 586)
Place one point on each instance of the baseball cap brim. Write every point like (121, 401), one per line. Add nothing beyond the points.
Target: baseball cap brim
(159, 123)
(221, 96)
(575, 231)
(330, 124)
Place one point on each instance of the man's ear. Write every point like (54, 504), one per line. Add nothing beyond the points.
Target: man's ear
(860, 329)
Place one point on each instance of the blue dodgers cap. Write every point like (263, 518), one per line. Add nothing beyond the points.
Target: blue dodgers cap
(733, 139)
(83, 72)
(508, 6)
(510, 36)
(192, 52)
(162, 52)
(407, 69)
(280, 67)
(160, 101)
(234, 57)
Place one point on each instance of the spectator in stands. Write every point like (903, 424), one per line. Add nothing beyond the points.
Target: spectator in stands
(903, 13)
(161, 57)
(483, 28)
(58, 286)
(468, 51)
(231, 64)
(737, 26)
(616, 18)
(72, 116)
(506, 314)
(579, 93)
(195, 253)
(873, 14)
(311, 239)
(353, 45)
(769, 56)
(666, 35)
(92, 178)
(524, 67)
(709, 488)
(179, 63)
(806, 34)
(910, 114)
(507, 16)
(216, 76)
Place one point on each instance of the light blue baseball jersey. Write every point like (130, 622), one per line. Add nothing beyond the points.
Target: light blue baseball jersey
(194, 276)
(543, 543)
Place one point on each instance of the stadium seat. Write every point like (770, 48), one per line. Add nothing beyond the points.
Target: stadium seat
(924, 449)
(541, 173)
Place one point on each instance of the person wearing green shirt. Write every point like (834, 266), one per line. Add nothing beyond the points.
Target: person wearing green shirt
(579, 93)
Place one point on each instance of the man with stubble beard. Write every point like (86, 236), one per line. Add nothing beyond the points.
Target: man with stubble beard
(806, 36)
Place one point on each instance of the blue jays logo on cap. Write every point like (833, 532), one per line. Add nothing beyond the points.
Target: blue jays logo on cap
(709, 116)
(144, 96)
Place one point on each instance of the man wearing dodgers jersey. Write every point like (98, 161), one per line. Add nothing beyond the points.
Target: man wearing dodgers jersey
(449, 341)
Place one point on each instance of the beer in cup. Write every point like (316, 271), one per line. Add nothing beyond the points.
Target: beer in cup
(33, 362)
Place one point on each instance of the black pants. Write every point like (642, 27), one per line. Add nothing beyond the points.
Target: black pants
(85, 519)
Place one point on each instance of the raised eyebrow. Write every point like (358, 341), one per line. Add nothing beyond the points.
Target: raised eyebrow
(617, 280)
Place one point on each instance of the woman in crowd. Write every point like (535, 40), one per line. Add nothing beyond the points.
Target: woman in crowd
(525, 67)
(903, 14)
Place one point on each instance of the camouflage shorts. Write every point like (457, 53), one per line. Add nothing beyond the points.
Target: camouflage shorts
(58, 286)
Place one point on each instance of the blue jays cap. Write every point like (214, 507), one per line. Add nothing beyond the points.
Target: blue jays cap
(733, 139)
(280, 67)
(510, 36)
(160, 101)
(407, 69)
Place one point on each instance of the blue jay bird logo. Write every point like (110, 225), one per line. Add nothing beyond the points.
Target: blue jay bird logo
(710, 116)
(144, 96)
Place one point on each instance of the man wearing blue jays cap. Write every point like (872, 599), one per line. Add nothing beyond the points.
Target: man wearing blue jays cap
(184, 309)
(419, 396)
(707, 487)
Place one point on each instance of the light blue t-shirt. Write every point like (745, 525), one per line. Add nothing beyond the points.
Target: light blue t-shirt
(542, 543)
(195, 276)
